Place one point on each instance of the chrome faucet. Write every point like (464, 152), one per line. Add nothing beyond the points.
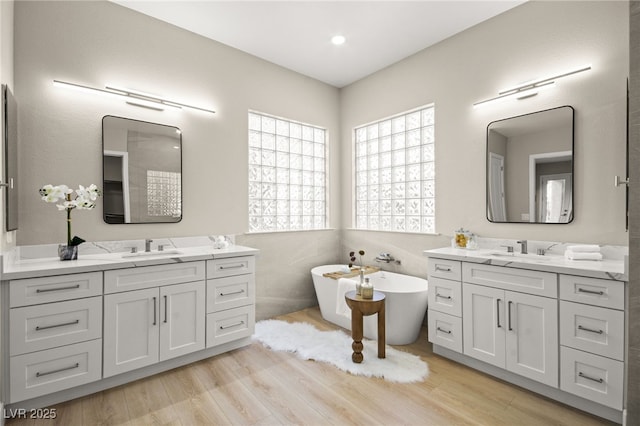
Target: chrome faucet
(523, 246)
(147, 245)
(384, 257)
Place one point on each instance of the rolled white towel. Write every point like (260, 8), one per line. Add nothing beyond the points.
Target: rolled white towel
(584, 248)
(572, 255)
(344, 285)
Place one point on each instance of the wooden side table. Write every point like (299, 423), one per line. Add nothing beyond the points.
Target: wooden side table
(364, 307)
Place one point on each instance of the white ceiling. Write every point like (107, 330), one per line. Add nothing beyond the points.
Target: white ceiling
(296, 34)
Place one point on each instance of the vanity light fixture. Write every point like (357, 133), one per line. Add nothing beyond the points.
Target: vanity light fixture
(132, 97)
(530, 88)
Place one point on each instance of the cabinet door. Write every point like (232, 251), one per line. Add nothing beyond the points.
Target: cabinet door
(532, 337)
(483, 323)
(131, 336)
(182, 319)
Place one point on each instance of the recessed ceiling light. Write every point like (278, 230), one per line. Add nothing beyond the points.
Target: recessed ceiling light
(338, 40)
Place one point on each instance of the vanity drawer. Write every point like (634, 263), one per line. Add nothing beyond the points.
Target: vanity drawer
(232, 324)
(230, 292)
(521, 280)
(442, 268)
(592, 377)
(152, 276)
(592, 291)
(33, 291)
(592, 329)
(45, 372)
(34, 328)
(218, 268)
(445, 330)
(445, 296)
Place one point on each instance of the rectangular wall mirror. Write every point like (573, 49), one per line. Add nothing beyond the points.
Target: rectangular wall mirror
(530, 167)
(142, 171)
(10, 143)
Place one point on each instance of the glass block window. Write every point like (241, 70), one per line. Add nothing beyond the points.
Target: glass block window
(164, 195)
(287, 175)
(395, 173)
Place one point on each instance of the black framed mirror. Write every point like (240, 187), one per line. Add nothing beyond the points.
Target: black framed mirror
(142, 171)
(529, 167)
(10, 143)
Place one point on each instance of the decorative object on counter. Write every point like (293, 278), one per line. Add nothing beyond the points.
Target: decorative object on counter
(583, 252)
(472, 242)
(85, 199)
(221, 242)
(367, 289)
(461, 237)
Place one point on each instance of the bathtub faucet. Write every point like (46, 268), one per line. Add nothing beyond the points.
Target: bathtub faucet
(384, 257)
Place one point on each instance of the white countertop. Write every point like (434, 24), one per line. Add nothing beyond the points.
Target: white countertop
(607, 269)
(44, 266)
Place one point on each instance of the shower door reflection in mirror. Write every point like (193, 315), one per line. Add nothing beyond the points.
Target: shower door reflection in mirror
(142, 171)
(530, 168)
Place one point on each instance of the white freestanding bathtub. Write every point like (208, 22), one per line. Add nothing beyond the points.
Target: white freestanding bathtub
(405, 303)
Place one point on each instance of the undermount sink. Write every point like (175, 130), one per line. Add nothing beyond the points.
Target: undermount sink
(151, 253)
(518, 256)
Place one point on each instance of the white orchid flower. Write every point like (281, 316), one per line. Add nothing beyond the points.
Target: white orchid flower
(91, 193)
(84, 204)
(84, 200)
(51, 194)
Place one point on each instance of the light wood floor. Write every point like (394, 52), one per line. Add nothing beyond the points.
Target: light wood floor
(254, 385)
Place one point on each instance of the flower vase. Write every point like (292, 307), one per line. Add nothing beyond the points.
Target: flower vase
(359, 283)
(67, 252)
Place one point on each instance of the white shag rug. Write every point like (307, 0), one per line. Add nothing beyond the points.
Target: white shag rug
(334, 347)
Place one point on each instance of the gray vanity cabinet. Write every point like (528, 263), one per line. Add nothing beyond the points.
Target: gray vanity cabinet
(75, 334)
(558, 334)
(230, 299)
(55, 337)
(145, 326)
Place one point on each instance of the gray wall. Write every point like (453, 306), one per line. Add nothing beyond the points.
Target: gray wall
(534, 40)
(633, 373)
(98, 43)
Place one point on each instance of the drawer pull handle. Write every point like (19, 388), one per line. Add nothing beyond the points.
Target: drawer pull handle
(223, 267)
(233, 292)
(443, 297)
(46, 373)
(584, 376)
(224, 327)
(46, 290)
(498, 312)
(444, 331)
(443, 268)
(46, 327)
(509, 315)
(590, 330)
(582, 290)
